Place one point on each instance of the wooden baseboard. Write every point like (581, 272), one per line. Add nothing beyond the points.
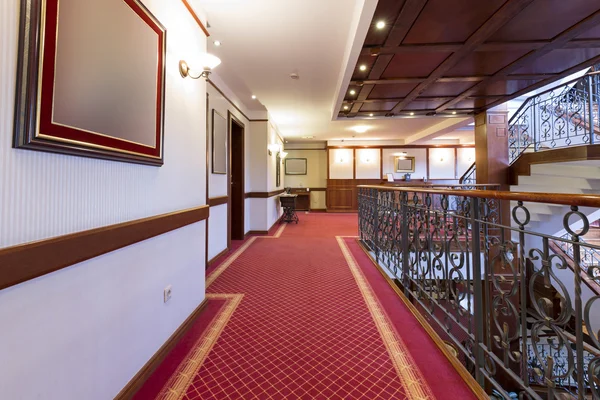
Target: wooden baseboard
(318, 210)
(212, 260)
(329, 210)
(256, 233)
(143, 374)
(454, 361)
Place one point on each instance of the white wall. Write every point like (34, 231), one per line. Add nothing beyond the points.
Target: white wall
(420, 156)
(316, 174)
(341, 164)
(218, 183)
(466, 157)
(442, 163)
(83, 332)
(367, 164)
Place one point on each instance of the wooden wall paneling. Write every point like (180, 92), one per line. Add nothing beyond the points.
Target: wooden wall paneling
(381, 163)
(31, 260)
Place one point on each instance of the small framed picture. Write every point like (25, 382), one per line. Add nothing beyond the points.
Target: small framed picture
(390, 177)
(404, 164)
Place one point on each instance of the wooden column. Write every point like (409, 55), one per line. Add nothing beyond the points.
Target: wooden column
(491, 147)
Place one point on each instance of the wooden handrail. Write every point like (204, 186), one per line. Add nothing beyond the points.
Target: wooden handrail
(468, 172)
(583, 200)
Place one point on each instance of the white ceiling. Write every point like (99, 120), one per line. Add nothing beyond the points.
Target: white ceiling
(264, 41)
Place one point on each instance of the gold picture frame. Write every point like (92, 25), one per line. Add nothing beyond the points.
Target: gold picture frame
(404, 164)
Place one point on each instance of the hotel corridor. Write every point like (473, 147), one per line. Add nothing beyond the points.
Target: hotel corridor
(303, 313)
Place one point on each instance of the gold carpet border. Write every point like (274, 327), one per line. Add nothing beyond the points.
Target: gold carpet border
(181, 379)
(408, 372)
(221, 268)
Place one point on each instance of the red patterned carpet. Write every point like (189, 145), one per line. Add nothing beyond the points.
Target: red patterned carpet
(303, 314)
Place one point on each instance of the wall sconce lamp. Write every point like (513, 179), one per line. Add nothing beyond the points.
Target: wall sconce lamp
(207, 61)
(281, 155)
(273, 148)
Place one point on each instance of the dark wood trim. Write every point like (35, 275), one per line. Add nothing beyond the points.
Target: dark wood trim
(233, 105)
(426, 162)
(143, 374)
(328, 166)
(256, 233)
(230, 119)
(488, 46)
(206, 243)
(522, 166)
(504, 14)
(558, 42)
(381, 163)
(353, 163)
(318, 210)
(311, 189)
(292, 149)
(217, 201)
(263, 195)
(404, 146)
(212, 260)
(455, 163)
(31, 260)
(191, 10)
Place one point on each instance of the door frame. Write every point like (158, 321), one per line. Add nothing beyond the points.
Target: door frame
(231, 119)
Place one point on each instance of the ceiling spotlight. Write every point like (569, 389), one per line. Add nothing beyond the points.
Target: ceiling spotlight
(453, 112)
(345, 107)
(360, 129)
(217, 43)
(412, 113)
(380, 25)
(370, 115)
(253, 97)
(353, 92)
(363, 67)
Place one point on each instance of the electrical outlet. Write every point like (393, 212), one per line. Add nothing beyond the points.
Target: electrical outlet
(168, 292)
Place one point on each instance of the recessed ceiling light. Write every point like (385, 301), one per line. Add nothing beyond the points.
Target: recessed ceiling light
(345, 107)
(412, 113)
(370, 115)
(380, 25)
(360, 129)
(353, 92)
(454, 112)
(253, 97)
(363, 67)
(308, 137)
(217, 43)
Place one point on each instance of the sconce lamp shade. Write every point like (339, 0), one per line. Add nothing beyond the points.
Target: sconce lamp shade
(282, 154)
(203, 62)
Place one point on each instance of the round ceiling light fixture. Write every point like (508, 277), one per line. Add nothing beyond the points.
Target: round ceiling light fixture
(346, 107)
(353, 92)
(380, 25)
(363, 67)
(294, 76)
(253, 97)
(217, 43)
(360, 129)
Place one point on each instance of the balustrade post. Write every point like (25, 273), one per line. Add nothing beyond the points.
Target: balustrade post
(376, 223)
(405, 256)
(590, 101)
(578, 305)
(477, 290)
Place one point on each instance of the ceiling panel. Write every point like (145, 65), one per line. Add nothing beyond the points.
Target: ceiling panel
(413, 64)
(441, 22)
(485, 62)
(425, 104)
(447, 88)
(544, 19)
(559, 60)
(470, 103)
(367, 61)
(379, 106)
(593, 33)
(504, 88)
(391, 91)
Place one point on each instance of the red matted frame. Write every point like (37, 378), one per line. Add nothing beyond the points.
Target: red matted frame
(34, 128)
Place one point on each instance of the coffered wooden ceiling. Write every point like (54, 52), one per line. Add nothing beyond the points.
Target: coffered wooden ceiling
(459, 57)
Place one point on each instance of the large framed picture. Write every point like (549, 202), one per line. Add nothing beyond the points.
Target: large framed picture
(91, 80)
(295, 166)
(404, 164)
(219, 143)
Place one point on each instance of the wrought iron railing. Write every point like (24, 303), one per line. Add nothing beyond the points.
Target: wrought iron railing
(588, 256)
(485, 284)
(470, 176)
(566, 115)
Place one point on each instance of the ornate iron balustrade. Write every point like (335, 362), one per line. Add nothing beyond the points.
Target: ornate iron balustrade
(485, 284)
(588, 256)
(470, 176)
(566, 115)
